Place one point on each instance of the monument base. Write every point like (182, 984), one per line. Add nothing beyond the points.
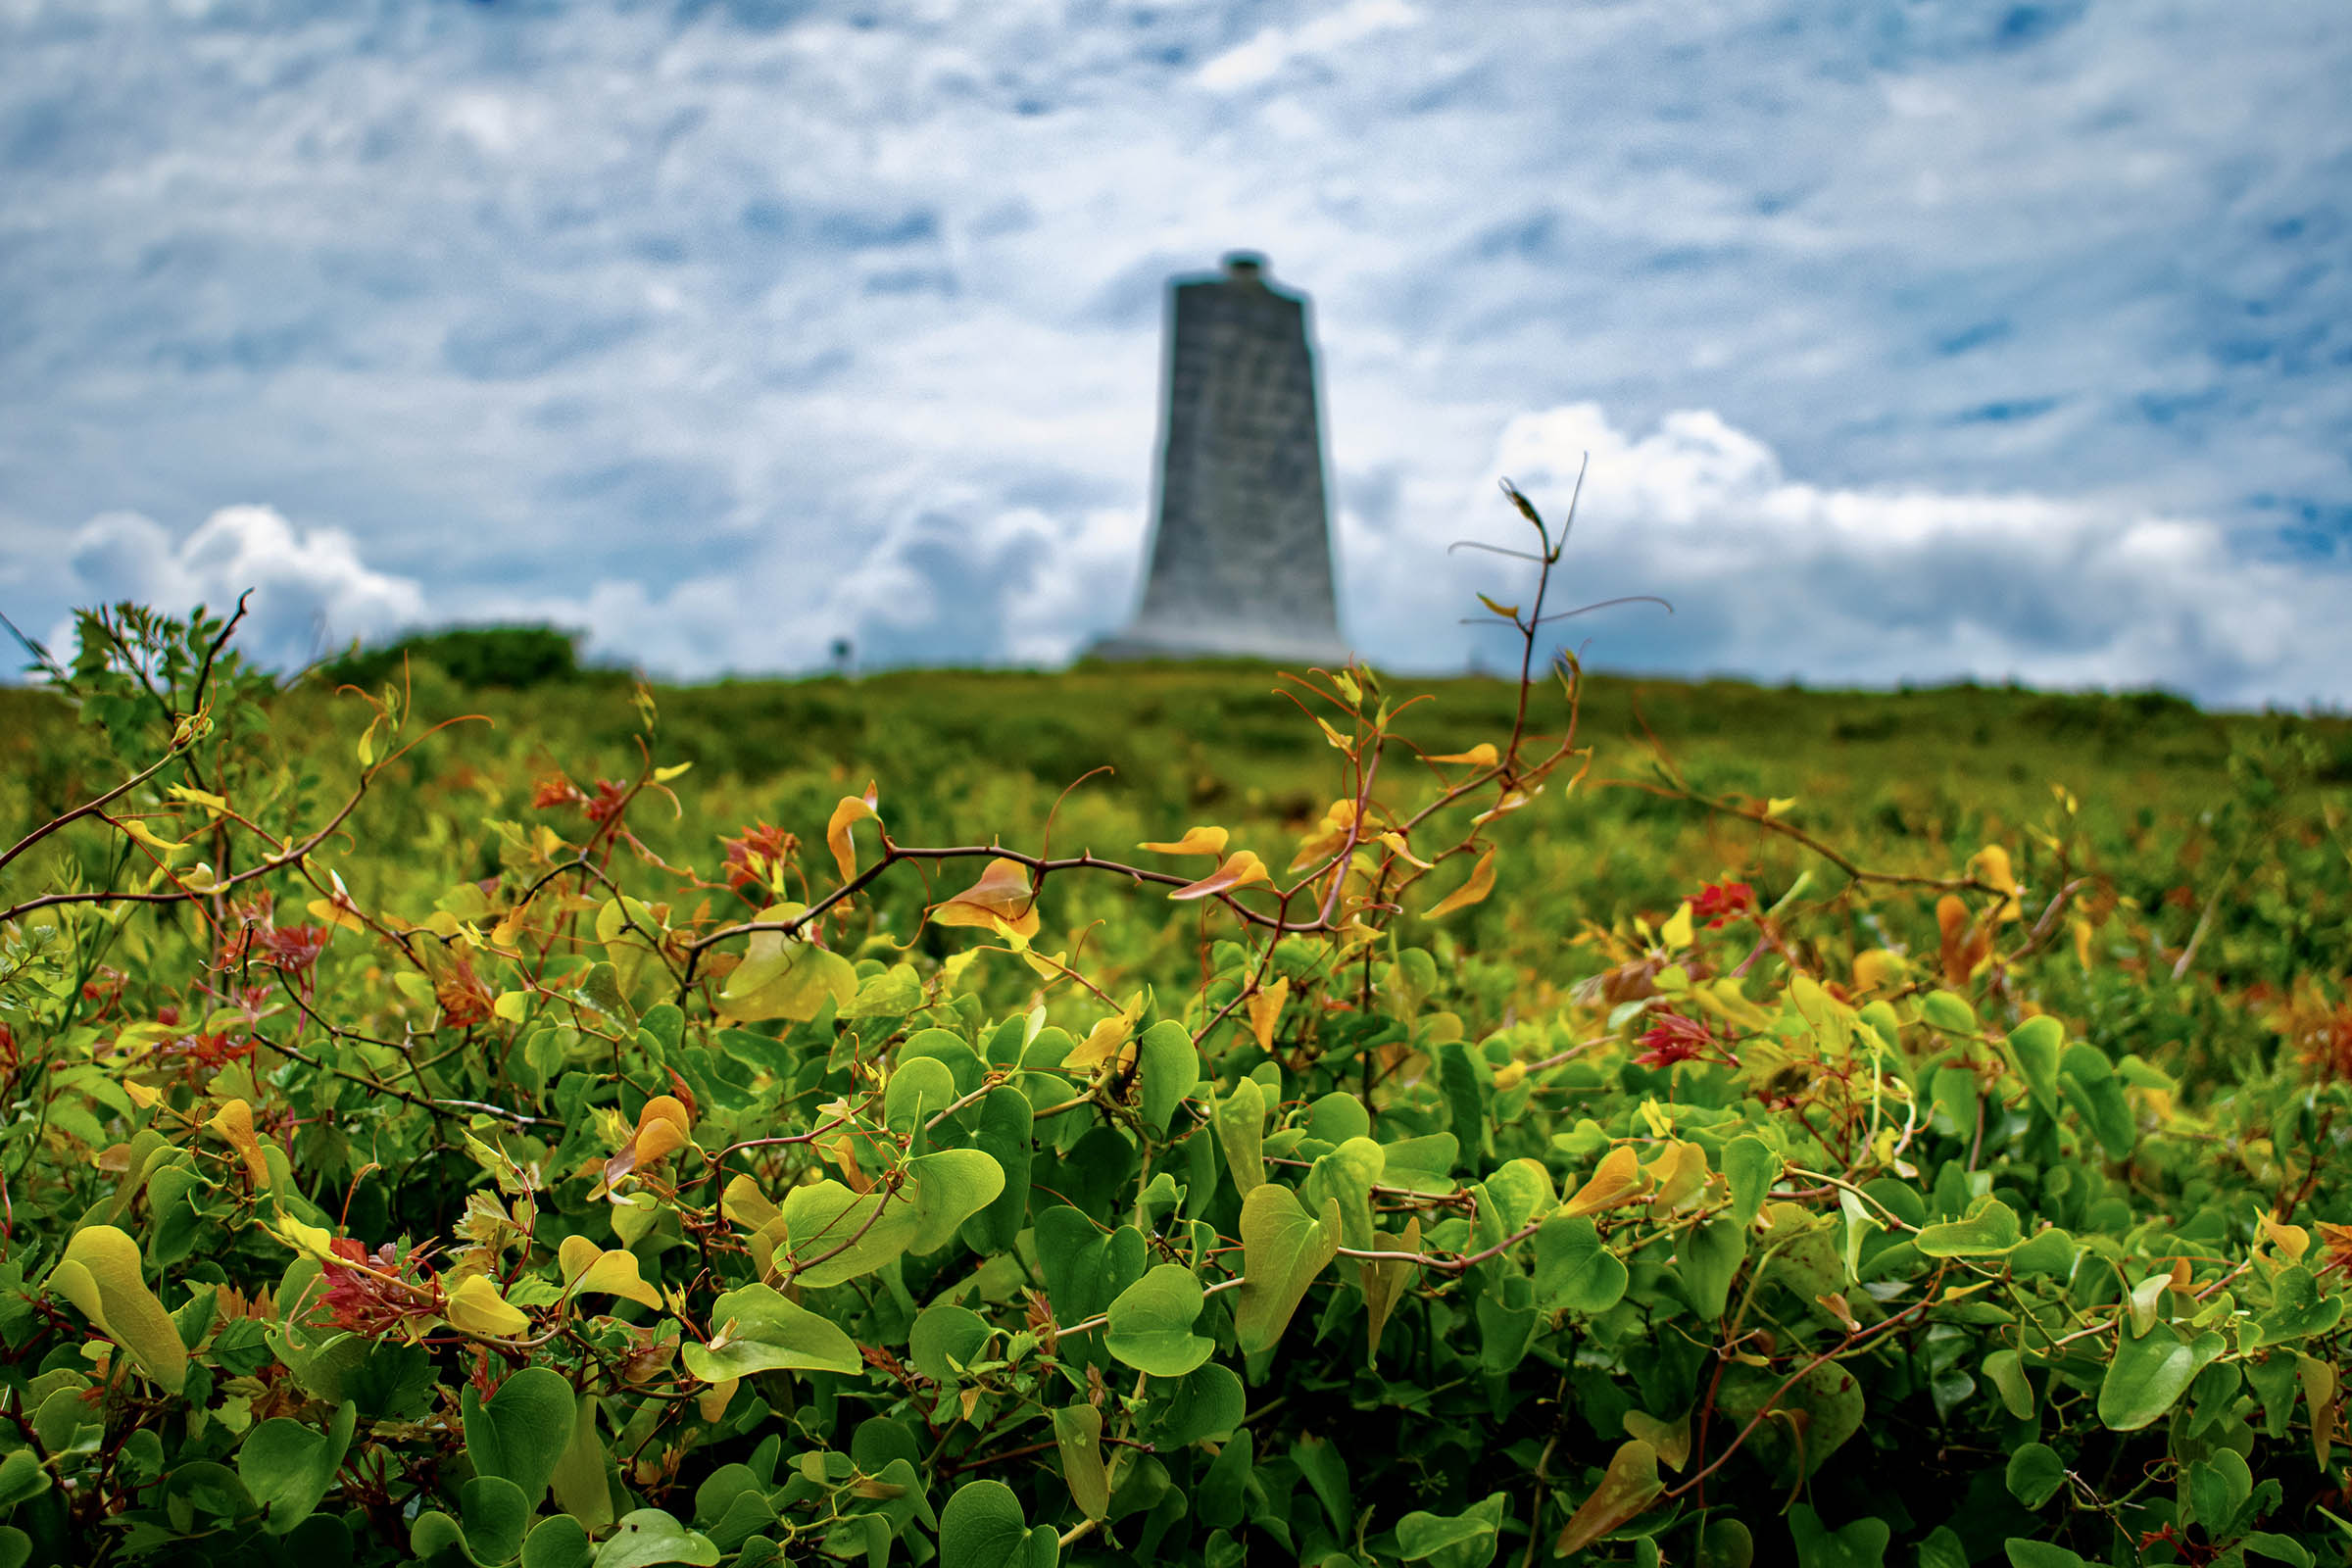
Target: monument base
(1142, 643)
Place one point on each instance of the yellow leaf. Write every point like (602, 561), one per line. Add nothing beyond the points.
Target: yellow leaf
(100, 1275)
(141, 1094)
(1617, 1178)
(1240, 869)
(1675, 935)
(303, 1238)
(1672, 1438)
(713, 1401)
(589, 1267)
(167, 847)
(329, 913)
(1511, 801)
(367, 747)
(1877, 970)
(1265, 1008)
(1101, 1044)
(211, 803)
(1338, 740)
(663, 775)
(1481, 882)
(1991, 867)
(2293, 1239)
(1330, 836)
(1195, 841)
(476, 1307)
(661, 1127)
(1001, 900)
(1507, 612)
(234, 1123)
(1482, 755)
(1631, 1486)
(1395, 840)
(1681, 1174)
(512, 1006)
(1780, 805)
(853, 808)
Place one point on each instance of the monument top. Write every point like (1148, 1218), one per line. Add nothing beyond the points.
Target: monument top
(1245, 266)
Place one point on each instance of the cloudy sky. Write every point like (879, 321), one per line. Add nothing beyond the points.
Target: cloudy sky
(1909, 338)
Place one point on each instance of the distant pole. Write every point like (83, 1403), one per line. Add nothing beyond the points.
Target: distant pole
(1240, 561)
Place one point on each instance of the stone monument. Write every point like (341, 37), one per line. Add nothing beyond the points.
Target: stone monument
(1240, 559)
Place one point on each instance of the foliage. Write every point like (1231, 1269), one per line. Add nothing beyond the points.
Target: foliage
(517, 658)
(430, 1163)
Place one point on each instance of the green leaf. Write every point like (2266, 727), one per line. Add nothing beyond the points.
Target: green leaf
(2148, 1373)
(2298, 1312)
(1283, 1250)
(944, 1340)
(1326, 1472)
(2089, 1083)
(1751, 1166)
(1827, 1397)
(521, 1431)
(649, 1537)
(754, 1329)
(1166, 1068)
(1707, 1259)
(1728, 1543)
(2034, 1044)
(495, 1515)
(833, 1235)
(2277, 1548)
(2007, 1375)
(1241, 1123)
(1573, 1271)
(2049, 1250)
(288, 1466)
(2024, 1553)
(21, 1477)
(1421, 1535)
(1078, 1440)
(578, 1480)
(2035, 1474)
(1861, 1544)
(1085, 1266)
(982, 1527)
(1006, 1124)
(780, 979)
(1205, 1402)
(950, 1187)
(558, 1541)
(1152, 1323)
(1988, 1229)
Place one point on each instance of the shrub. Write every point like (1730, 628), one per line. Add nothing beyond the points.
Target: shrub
(583, 1209)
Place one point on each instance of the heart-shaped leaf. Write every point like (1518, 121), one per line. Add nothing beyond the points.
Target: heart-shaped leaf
(753, 1329)
(1630, 1486)
(649, 1537)
(100, 1275)
(2149, 1372)
(288, 1466)
(1152, 1323)
(521, 1430)
(982, 1527)
(1283, 1249)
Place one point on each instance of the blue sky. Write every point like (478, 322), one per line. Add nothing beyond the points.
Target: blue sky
(1910, 339)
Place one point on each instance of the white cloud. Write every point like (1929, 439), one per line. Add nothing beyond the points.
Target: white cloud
(1271, 51)
(1772, 575)
(726, 329)
(310, 590)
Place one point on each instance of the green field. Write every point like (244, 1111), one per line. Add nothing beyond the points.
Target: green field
(547, 1123)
